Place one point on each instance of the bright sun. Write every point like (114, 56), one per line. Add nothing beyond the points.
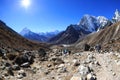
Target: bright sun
(25, 3)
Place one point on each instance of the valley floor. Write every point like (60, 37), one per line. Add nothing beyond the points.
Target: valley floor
(77, 66)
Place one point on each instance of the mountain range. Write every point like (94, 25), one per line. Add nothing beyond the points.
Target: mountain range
(88, 24)
(74, 33)
(39, 37)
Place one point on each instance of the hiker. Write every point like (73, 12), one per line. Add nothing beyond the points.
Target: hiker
(98, 48)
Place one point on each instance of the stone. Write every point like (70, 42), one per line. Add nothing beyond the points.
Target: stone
(15, 67)
(25, 65)
(91, 77)
(90, 58)
(24, 58)
(9, 71)
(83, 70)
(76, 78)
(42, 52)
(7, 64)
(47, 72)
(21, 74)
(62, 70)
(49, 65)
(118, 62)
(56, 60)
(86, 47)
(76, 62)
(91, 66)
(11, 56)
(61, 65)
(1, 77)
(114, 74)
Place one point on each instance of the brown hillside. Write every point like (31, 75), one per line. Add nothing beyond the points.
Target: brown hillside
(10, 38)
(106, 37)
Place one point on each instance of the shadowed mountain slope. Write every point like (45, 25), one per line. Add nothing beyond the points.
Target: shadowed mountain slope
(10, 38)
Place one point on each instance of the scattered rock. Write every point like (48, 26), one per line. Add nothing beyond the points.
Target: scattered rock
(24, 58)
(61, 65)
(21, 74)
(118, 62)
(91, 77)
(41, 52)
(9, 71)
(83, 70)
(76, 62)
(56, 61)
(11, 56)
(76, 78)
(15, 67)
(49, 65)
(62, 70)
(25, 65)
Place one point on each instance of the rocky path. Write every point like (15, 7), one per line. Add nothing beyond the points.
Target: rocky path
(76, 66)
(109, 69)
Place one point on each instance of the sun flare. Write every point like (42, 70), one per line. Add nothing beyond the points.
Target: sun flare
(25, 3)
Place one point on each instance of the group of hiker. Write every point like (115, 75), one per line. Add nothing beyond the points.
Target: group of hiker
(96, 48)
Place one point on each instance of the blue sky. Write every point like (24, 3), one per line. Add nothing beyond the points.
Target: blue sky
(50, 15)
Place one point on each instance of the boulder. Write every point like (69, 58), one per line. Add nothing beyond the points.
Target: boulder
(41, 52)
(62, 70)
(24, 58)
(21, 74)
(76, 62)
(86, 47)
(56, 60)
(11, 56)
(76, 78)
(91, 77)
(15, 67)
(83, 70)
(10, 72)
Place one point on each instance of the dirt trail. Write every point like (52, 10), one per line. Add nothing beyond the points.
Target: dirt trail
(109, 70)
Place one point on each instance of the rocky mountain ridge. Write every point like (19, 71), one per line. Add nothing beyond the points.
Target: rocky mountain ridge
(88, 24)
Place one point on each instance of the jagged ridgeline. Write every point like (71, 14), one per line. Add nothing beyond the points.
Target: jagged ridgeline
(88, 24)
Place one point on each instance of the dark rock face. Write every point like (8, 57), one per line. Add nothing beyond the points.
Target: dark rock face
(70, 35)
(86, 47)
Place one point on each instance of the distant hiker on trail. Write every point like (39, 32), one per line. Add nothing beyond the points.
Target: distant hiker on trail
(98, 48)
(66, 52)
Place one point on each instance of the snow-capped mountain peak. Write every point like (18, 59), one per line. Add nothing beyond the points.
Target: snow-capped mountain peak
(25, 31)
(102, 20)
(89, 23)
(116, 17)
(117, 13)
